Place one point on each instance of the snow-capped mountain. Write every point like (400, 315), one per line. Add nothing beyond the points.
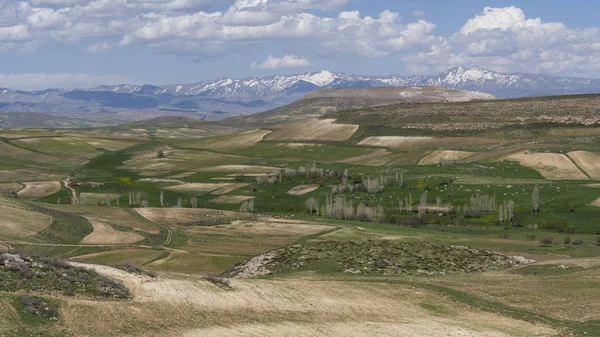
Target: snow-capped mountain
(224, 97)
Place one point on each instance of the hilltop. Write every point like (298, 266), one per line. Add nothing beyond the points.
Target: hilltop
(321, 102)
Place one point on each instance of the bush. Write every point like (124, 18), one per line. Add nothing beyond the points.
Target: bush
(567, 240)
(598, 240)
(530, 237)
(220, 281)
(160, 153)
(546, 242)
(578, 242)
(35, 306)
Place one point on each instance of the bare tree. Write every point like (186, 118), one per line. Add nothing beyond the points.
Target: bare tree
(162, 198)
(194, 202)
(312, 205)
(510, 207)
(535, 196)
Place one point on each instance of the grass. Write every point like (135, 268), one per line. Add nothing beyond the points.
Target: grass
(65, 228)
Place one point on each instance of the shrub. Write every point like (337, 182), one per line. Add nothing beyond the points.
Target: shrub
(530, 237)
(578, 242)
(160, 153)
(546, 242)
(36, 306)
(598, 240)
(220, 281)
(567, 240)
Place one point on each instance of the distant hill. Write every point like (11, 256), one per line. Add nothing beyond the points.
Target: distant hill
(226, 97)
(321, 102)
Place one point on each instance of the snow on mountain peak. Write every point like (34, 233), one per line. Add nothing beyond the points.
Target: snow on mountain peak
(320, 78)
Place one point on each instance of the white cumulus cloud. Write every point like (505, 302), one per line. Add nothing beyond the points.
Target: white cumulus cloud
(288, 61)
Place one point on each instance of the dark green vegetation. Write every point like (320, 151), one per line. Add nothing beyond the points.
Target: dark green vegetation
(387, 258)
(19, 272)
(65, 228)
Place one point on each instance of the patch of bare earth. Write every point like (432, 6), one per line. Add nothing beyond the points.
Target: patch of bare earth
(232, 199)
(303, 189)
(240, 169)
(438, 156)
(95, 198)
(314, 129)
(275, 228)
(203, 188)
(596, 202)
(372, 155)
(409, 142)
(10, 188)
(174, 216)
(39, 189)
(105, 234)
(18, 221)
(281, 308)
(587, 161)
(553, 166)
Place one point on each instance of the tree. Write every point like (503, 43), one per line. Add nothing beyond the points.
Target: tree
(312, 205)
(194, 202)
(510, 207)
(162, 198)
(535, 196)
(160, 153)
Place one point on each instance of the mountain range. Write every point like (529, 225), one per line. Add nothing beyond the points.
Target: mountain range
(225, 97)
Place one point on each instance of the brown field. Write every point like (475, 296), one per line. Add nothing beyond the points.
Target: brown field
(397, 141)
(9, 188)
(365, 158)
(18, 221)
(314, 129)
(255, 307)
(437, 156)
(596, 202)
(410, 158)
(104, 234)
(233, 141)
(240, 169)
(273, 228)
(303, 189)
(229, 188)
(179, 160)
(553, 166)
(39, 189)
(587, 161)
(231, 199)
(203, 188)
(111, 144)
(117, 256)
(405, 143)
(175, 216)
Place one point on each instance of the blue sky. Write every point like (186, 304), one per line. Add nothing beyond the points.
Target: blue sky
(80, 43)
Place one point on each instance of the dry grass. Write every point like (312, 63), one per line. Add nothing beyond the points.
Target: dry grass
(175, 216)
(314, 129)
(279, 308)
(274, 228)
(439, 155)
(9, 188)
(179, 160)
(397, 141)
(203, 188)
(303, 189)
(228, 142)
(366, 157)
(231, 199)
(596, 202)
(39, 189)
(104, 234)
(18, 221)
(587, 161)
(240, 169)
(553, 166)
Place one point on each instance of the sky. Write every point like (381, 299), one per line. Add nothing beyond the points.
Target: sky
(85, 43)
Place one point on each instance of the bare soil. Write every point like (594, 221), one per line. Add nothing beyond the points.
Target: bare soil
(39, 189)
(105, 234)
(303, 189)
